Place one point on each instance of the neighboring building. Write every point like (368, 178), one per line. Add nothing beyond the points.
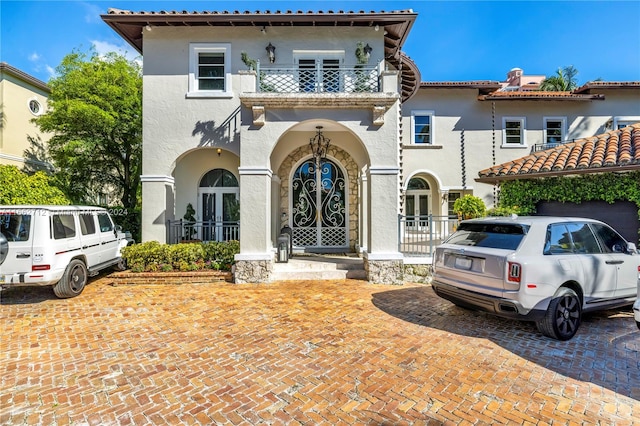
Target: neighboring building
(474, 125)
(517, 80)
(215, 131)
(22, 98)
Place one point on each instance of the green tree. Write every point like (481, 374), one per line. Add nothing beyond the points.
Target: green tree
(95, 115)
(563, 81)
(20, 188)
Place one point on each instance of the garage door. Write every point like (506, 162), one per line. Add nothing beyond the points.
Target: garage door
(622, 215)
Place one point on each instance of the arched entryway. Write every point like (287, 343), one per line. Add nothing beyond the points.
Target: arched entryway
(319, 205)
(218, 194)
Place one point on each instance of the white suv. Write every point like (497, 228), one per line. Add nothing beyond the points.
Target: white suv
(58, 245)
(544, 269)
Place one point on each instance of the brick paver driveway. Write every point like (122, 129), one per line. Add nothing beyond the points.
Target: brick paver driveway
(342, 352)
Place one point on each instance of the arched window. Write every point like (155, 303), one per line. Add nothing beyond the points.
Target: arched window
(218, 178)
(417, 184)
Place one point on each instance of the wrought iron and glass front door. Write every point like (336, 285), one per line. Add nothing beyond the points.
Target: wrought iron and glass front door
(319, 206)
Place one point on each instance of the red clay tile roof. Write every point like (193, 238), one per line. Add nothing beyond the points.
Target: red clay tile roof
(586, 88)
(537, 95)
(483, 86)
(617, 150)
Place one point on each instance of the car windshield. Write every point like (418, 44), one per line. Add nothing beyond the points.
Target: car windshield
(15, 227)
(493, 235)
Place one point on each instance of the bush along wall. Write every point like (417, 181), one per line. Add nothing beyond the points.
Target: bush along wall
(609, 187)
(152, 256)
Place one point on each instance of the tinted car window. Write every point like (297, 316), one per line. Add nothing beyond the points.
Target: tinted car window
(492, 235)
(611, 241)
(15, 227)
(105, 222)
(558, 240)
(87, 225)
(63, 226)
(584, 241)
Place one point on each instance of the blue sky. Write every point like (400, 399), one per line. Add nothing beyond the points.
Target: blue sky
(450, 41)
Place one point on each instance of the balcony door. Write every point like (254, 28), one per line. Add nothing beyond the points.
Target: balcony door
(319, 206)
(319, 71)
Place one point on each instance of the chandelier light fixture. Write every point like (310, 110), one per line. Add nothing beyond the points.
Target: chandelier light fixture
(319, 145)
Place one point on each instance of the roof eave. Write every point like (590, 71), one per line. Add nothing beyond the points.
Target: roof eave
(555, 173)
(574, 98)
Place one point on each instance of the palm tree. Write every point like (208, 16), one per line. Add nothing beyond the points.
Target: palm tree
(563, 81)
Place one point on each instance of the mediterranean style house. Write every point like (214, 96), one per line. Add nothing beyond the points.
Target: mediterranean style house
(317, 124)
(22, 98)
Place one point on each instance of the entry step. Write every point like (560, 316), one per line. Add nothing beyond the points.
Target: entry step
(320, 267)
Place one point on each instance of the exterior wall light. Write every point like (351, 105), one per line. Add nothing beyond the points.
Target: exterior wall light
(271, 51)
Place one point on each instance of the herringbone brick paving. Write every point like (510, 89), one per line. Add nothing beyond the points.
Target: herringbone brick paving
(315, 352)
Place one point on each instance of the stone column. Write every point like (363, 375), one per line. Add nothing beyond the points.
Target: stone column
(254, 263)
(157, 207)
(383, 260)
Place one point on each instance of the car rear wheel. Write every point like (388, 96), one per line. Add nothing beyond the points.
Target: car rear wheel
(73, 280)
(563, 315)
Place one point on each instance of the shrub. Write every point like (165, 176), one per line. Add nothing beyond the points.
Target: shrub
(469, 207)
(152, 256)
(503, 211)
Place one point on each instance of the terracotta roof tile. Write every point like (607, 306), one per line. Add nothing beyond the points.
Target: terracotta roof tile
(617, 150)
(537, 95)
(585, 88)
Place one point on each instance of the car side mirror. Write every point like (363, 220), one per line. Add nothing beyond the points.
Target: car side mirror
(631, 248)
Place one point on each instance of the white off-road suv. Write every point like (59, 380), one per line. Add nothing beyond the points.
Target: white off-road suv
(58, 245)
(544, 269)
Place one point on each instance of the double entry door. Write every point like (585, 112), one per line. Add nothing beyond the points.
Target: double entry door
(319, 206)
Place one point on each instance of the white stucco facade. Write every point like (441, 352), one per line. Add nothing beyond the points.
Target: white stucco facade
(397, 146)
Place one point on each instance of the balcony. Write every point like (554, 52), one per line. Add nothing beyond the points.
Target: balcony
(330, 87)
(319, 79)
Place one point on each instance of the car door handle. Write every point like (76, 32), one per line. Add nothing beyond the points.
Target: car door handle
(614, 262)
(23, 255)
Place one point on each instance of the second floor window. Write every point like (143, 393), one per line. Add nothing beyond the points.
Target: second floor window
(209, 69)
(554, 130)
(422, 127)
(513, 131)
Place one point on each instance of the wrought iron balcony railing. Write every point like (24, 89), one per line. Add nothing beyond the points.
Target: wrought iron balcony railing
(320, 79)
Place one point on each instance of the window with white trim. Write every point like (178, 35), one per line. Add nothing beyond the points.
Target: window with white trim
(620, 122)
(513, 131)
(209, 70)
(422, 127)
(555, 130)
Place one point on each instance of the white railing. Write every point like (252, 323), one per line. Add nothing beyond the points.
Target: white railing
(209, 230)
(419, 235)
(321, 79)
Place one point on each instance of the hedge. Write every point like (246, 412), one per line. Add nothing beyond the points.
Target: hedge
(152, 256)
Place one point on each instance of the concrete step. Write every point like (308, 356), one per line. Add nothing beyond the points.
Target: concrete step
(319, 268)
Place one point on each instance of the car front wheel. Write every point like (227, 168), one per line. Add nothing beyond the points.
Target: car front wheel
(73, 280)
(563, 315)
